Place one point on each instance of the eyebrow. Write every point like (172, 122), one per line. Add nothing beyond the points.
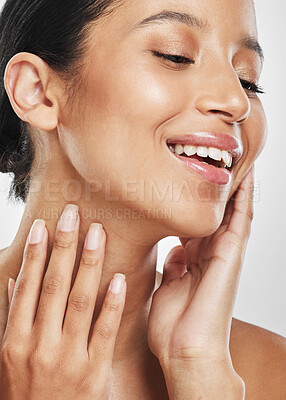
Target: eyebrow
(193, 21)
(251, 43)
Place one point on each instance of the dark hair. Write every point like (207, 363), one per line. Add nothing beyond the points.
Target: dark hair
(57, 32)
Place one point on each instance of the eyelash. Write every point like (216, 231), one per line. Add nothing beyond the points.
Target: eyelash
(251, 86)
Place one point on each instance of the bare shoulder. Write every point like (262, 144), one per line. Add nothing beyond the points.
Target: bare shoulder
(259, 357)
(2, 252)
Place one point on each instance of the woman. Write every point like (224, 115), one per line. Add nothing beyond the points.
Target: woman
(103, 104)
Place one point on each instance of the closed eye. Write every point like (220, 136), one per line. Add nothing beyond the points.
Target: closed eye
(252, 86)
(174, 58)
(177, 59)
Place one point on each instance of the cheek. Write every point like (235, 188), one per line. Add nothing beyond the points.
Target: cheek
(136, 95)
(121, 109)
(256, 131)
(254, 135)
(113, 129)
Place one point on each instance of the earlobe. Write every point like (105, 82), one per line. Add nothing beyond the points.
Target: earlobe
(27, 82)
(42, 117)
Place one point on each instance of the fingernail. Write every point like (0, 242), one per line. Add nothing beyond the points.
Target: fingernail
(37, 231)
(68, 220)
(11, 284)
(117, 283)
(93, 237)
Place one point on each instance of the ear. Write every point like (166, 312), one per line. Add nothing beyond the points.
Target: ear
(30, 86)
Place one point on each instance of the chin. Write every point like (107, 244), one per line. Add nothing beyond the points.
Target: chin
(200, 221)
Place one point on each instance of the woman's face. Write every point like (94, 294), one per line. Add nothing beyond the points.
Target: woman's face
(132, 101)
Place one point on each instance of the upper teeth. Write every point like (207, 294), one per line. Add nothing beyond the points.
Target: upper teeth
(202, 151)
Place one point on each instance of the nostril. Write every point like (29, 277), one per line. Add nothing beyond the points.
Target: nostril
(242, 120)
(225, 113)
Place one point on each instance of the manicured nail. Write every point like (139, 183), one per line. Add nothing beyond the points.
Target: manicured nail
(11, 284)
(37, 231)
(68, 220)
(93, 237)
(117, 283)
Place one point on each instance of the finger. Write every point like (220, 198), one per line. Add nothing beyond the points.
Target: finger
(215, 296)
(243, 213)
(105, 330)
(11, 285)
(184, 241)
(28, 283)
(192, 249)
(174, 266)
(57, 279)
(228, 210)
(83, 295)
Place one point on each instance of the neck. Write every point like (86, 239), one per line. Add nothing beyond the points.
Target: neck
(129, 250)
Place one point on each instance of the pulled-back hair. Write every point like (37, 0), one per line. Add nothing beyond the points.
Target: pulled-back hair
(56, 31)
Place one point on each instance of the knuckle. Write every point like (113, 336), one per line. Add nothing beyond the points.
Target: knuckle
(67, 370)
(79, 302)
(104, 331)
(34, 252)
(24, 285)
(40, 359)
(218, 259)
(20, 287)
(89, 387)
(52, 284)
(87, 390)
(7, 356)
(111, 303)
(250, 214)
(252, 190)
(11, 353)
(63, 241)
(89, 259)
(234, 243)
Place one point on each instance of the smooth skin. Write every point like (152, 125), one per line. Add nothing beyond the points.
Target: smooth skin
(45, 352)
(47, 349)
(99, 147)
(191, 312)
(189, 322)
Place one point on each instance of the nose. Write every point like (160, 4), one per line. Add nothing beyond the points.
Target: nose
(221, 94)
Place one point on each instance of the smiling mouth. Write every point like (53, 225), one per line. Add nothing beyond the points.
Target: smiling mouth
(208, 155)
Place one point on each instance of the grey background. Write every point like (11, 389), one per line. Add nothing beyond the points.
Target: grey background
(261, 296)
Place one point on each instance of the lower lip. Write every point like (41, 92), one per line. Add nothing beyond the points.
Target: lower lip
(220, 176)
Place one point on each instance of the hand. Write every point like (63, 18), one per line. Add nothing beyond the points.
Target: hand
(191, 312)
(45, 352)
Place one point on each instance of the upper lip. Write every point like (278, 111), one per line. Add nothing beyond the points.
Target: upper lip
(222, 141)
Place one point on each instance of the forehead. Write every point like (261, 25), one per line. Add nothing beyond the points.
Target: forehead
(223, 15)
(225, 22)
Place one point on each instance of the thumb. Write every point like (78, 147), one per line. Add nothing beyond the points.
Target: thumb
(174, 266)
